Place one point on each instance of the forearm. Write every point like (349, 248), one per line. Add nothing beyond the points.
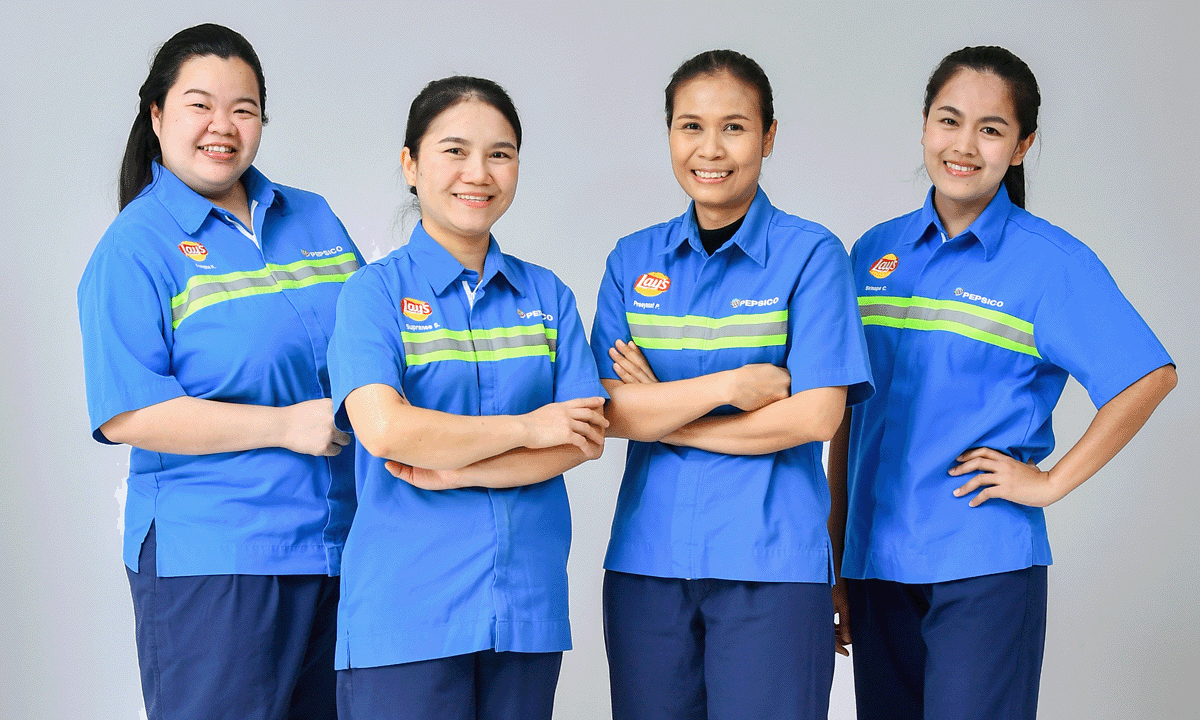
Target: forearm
(522, 466)
(810, 416)
(839, 457)
(1113, 427)
(648, 412)
(390, 428)
(192, 426)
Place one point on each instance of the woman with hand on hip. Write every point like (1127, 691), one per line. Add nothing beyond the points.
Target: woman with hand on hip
(975, 311)
(730, 345)
(206, 309)
(466, 375)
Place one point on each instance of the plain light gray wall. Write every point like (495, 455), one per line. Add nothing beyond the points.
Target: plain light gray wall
(1116, 166)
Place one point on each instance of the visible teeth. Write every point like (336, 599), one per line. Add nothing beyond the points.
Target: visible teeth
(960, 168)
(708, 175)
(473, 198)
(216, 148)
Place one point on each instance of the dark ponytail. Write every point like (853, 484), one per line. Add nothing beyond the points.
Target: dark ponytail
(142, 147)
(1022, 85)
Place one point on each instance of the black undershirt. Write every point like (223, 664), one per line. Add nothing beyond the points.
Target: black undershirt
(713, 239)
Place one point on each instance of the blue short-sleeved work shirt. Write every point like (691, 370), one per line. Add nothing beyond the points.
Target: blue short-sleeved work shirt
(971, 342)
(177, 300)
(430, 574)
(777, 292)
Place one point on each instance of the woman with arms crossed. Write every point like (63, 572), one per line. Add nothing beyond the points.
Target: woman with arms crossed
(206, 309)
(975, 313)
(716, 595)
(468, 372)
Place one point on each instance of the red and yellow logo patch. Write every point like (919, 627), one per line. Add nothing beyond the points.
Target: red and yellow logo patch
(193, 249)
(415, 309)
(651, 284)
(884, 266)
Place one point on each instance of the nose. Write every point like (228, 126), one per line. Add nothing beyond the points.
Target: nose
(710, 145)
(964, 141)
(475, 170)
(221, 122)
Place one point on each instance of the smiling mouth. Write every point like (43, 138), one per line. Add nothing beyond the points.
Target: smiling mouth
(955, 167)
(217, 149)
(474, 200)
(712, 174)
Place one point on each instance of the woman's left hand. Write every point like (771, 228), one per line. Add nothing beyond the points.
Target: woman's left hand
(423, 478)
(630, 364)
(1004, 477)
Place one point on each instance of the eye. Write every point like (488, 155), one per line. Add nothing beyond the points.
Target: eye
(202, 106)
(690, 126)
(501, 155)
(734, 127)
(455, 151)
(989, 130)
(948, 121)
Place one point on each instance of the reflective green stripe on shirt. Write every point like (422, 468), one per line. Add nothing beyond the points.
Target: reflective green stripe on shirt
(695, 332)
(983, 324)
(206, 290)
(487, 345)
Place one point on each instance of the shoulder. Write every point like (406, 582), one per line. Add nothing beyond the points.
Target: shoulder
(537, 276)
(644, 241)
(796, 238)
(302, 200)
(889, 230)
(1031, 234)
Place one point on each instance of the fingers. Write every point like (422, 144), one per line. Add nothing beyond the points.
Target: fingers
(341, 438)
(630, 365)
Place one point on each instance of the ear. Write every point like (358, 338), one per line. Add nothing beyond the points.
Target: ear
(156, 120)
(924, 122)
(408, 164)
(1022, 148)
(769, 138)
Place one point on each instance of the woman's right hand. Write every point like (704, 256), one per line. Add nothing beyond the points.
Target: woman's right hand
(577, 422)
(310, 429)
(751, 387)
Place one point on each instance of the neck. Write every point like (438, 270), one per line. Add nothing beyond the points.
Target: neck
(237, 202)
(958, 216)
(713, 218)
(470, 252)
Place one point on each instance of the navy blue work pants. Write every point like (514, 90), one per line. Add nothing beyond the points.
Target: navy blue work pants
(484, 685)
(966, 649)
(234, 647)
(711, 649)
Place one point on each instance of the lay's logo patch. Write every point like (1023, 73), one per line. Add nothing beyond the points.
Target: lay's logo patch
(651, 284)
(193, 249)
(884, 266)
(415, 309)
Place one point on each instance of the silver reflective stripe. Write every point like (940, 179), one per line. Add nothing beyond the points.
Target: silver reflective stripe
(698, 332)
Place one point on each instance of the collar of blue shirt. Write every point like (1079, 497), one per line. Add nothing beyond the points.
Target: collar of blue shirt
(988, 228)
(442, 269)
(751, 237)
(189, 208)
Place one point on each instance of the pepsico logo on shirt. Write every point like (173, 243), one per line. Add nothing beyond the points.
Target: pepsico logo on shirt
(884, 266)
(651, 284)
(415, 309)
(193, 249)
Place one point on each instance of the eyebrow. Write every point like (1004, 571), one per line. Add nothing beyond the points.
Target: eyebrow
(689, 116)
(989, 119)
(462, 141)
(205, 93)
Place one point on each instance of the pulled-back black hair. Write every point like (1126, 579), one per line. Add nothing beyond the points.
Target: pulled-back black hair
(441, 95)
(142, 146)
(1022, 86)
(713, 62)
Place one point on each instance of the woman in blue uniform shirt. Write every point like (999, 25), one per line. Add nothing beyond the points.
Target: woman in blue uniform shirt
(729, 343)
(206, 309)
(465, 373)
(975, 313)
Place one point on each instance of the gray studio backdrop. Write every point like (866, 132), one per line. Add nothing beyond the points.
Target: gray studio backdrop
(1116, 166)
